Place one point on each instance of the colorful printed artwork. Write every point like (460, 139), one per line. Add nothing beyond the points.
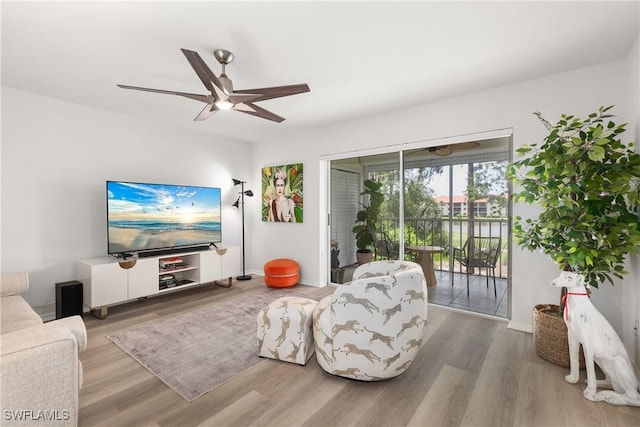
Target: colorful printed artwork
(282, 193)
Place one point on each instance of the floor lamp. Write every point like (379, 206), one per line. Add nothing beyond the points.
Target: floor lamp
(240, 200)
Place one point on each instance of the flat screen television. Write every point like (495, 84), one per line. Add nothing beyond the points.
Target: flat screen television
(160, 218)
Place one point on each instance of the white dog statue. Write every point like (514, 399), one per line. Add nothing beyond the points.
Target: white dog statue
(600, 344)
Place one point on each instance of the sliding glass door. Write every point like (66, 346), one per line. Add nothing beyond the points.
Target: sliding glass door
(436, 199)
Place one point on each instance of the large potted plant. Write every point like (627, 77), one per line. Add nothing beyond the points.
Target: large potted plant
(367, 219)
(586, 182)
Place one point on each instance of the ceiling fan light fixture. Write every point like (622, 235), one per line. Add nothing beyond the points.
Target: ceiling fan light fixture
(224, 105)
(443, 151)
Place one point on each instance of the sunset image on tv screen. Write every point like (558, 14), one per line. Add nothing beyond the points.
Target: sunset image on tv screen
(153, 216)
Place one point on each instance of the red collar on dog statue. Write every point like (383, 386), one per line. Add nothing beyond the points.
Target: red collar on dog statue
(566, 306)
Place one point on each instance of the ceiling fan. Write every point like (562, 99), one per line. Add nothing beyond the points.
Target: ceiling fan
(222, 96)
(447, 150)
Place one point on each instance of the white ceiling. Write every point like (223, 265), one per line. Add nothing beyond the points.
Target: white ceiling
(359, 58)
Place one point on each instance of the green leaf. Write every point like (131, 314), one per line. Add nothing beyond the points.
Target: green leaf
(593, 156)
(597, 131)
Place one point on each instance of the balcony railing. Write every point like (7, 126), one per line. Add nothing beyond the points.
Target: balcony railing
(447, 233)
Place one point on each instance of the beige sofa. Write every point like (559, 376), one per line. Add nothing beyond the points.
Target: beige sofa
(41, 374)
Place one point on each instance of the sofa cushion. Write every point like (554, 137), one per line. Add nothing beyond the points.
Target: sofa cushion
(16, 313)
(13, 283)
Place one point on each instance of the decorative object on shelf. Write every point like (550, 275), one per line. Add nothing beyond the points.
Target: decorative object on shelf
(222, 96)
(282, 195)
(240, 200)
(587, 184)
(602, 346)
(367, 219)
(125, 265)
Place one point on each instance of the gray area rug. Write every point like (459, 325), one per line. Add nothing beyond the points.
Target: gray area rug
(197, 351)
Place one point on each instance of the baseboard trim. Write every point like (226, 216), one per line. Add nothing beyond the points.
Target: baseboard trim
(524, 327)
(470, 313)
(302, 282)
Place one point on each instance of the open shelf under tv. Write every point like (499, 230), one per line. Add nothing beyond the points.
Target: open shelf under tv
(172, 287)
(169, 251)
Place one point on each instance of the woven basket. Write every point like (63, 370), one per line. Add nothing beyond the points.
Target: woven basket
(550, 335)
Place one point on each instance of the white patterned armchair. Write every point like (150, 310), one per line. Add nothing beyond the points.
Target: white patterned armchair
(372, 327)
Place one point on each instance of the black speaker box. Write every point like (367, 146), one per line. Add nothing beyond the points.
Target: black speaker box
(68, 299)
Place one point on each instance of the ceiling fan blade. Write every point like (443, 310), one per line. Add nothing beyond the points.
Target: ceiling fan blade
(202, 70)
(276, 91)
(201, 98)
(206, 112)
(238, 98)
(244, 107)
(259, 112)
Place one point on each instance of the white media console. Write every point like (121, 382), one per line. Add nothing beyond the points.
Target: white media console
(110, 280)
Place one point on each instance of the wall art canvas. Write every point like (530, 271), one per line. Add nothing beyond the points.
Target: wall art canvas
(282, 199)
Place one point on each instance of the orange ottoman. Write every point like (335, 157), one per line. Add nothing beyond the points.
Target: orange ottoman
(281, 273)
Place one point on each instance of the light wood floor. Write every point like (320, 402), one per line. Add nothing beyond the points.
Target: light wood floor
(471, 371)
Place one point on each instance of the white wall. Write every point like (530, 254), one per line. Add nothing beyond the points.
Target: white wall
(579, 92)
(56, 157)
